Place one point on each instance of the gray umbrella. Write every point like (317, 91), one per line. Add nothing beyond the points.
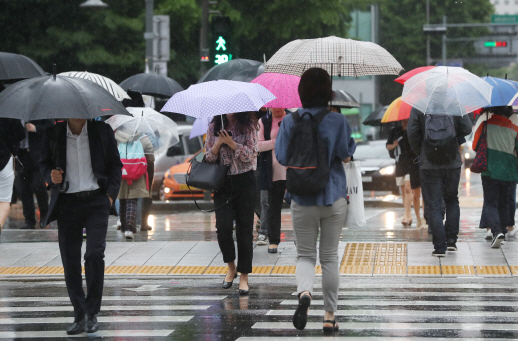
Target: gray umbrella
(248, 74)
(344, 99)
(229, 69)
(374, 119)
(55, 97)
(16, 66)
(152, 84)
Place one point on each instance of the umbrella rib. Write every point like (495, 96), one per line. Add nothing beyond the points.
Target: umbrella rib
(426, 108)
(458, 99)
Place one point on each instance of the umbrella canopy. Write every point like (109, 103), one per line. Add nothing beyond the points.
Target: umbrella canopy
(338, 56)
(344, 99)
(374, 119)
(407, 75)
(214, 98)
(447, 91)
(53, 97)
(199, 127)
(397, 111)
(152, 84)
(248, 74)
(160, 129)
(229, 69)
(505, 92)
(284, 87)
(105, 82)
(16, 66)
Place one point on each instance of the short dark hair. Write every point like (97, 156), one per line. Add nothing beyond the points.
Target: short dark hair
(315, 89)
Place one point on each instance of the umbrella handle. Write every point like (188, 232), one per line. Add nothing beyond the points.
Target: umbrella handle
(64, 185)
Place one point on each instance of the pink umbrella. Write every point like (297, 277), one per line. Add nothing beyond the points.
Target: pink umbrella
(284, 87)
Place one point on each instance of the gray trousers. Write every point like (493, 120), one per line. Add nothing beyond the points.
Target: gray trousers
(264, 212)
(306, 222)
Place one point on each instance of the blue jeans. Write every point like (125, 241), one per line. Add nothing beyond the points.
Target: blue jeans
(439, 184)
(497, 198)
(512, 210)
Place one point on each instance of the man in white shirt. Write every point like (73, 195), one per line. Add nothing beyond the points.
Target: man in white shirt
(81, 162)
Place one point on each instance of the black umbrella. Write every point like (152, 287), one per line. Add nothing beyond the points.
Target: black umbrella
(229, 69)
(152, 84)
(16, 66)
(55, 97)
(344, 99)
(248, 74)
(374, 119)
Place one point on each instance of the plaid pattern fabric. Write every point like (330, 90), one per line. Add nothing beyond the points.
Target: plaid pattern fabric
(338, 56)
(128, 214)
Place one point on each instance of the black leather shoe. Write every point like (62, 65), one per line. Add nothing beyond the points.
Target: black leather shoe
(43, 224)
(244, 292)
(272, 250)
(76, 328)
(91, 325)
(227, 285)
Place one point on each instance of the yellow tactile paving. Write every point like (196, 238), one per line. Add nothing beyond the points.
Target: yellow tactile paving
(20, 270)
(188, 270)
(284, 270)
(458, 270)
(121, 270)
(261, 270)
(154, 270)
(390, 270)
(356, 270)
(359, 254)
(216, 270)
(318, 270)
(424, 270)
(514, 269)
(495, 270)
(2, 269)
(391, 254)
(50, 270)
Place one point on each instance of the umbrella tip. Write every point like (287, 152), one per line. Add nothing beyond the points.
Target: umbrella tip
(487, 74)
(54, 70)
(506, 76)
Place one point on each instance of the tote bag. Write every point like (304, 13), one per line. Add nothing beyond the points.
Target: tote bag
(356, 209)
(479, 164)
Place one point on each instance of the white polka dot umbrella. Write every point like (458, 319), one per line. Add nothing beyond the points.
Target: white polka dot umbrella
(209, 99)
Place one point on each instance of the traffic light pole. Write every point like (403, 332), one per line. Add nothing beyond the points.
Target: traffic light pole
(444, 20)
(204, 33)
(428, 56)
(148, 35)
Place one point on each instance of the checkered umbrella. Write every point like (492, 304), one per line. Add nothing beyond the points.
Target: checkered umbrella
(338, 56)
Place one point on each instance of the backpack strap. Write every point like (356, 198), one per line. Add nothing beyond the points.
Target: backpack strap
(296, 117)
(321, 115)
(318, 117)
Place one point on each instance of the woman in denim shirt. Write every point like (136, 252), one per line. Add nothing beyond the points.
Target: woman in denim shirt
(326, 210)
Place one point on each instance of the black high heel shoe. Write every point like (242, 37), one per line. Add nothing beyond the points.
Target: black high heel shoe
(227, 285)
(244, 292)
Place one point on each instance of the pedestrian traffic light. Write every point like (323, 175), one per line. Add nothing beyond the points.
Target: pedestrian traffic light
(495, 44)
(221, 42)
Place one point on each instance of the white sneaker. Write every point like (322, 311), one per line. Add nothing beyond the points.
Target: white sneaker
(119, 224)
(128, 234)
(513, 232)
(262, 240)
(489, 235)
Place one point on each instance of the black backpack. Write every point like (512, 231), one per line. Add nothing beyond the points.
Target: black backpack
(307, 166)
(440, 135)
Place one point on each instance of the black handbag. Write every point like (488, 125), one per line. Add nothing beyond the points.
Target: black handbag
(206, 176)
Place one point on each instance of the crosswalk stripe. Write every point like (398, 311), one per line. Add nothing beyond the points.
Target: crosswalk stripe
(421, 286)
(104, 319)
(394, 326)
(417, 313)
(99, 334)
(360, 338)
(107, 308)
(369, 302)
(117, 298)
(419, 293)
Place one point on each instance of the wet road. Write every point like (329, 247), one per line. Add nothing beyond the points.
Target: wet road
(455, 306)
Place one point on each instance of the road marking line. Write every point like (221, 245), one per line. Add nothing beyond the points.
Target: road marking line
(413, 312)
(417, 293)
(394, 326)
(117, 298)
(107, 308)
(100, 334)
(360, 338)
(369, 302)
(104, 319)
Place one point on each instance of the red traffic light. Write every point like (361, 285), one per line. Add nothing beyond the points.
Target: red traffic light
(495, 44)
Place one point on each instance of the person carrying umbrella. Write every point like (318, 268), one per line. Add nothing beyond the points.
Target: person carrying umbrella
(80, 163)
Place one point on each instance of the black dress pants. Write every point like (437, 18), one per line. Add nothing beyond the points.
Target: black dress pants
(275, 199)
(74, 214)
(241, 207)
(31, 182)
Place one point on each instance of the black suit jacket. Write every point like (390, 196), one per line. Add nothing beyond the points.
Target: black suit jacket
(106, 163)
(36, 139)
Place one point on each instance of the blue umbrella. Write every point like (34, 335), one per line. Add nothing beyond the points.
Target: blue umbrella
(209, 99)
(504, 91)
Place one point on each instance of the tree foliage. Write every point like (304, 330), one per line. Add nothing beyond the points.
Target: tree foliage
(401, 32)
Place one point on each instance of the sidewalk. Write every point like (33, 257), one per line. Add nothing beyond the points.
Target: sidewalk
(201, 258)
